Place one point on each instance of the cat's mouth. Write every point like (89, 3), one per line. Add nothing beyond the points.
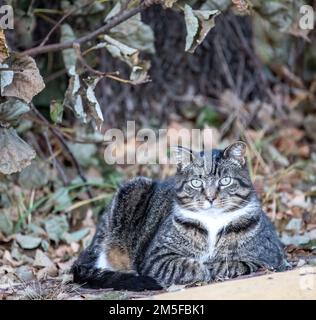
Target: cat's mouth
(207, 205)
(211, 205)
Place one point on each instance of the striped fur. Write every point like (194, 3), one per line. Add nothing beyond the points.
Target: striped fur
(206, 223)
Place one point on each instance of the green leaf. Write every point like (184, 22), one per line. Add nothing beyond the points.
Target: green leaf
(28, 242)
(208, 116)
(56, 111)
(56, 227)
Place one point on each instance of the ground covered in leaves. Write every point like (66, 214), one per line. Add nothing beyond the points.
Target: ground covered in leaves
(47, 230)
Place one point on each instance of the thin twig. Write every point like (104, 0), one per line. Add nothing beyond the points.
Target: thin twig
(55, 75)
(109, 24)
(111, 75)
(62, 19)
(59, 136)
(56, 164)
(84, 63)
(225, 67)
(254, 59)
(57, 25)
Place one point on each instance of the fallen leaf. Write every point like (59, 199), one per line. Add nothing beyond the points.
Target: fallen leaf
(294, 225)
(42, 260)
(34, 176)
(6, 224)
(66, 266)
(56, 227)
(75, 236)
(15, 154)
(51, 271)
(7, 258)
(25, 273)
(28, 242)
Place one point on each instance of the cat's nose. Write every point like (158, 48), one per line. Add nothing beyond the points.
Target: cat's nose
(211, 199)
(210, 195)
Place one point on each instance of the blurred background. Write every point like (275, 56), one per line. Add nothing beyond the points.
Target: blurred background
(246, 71)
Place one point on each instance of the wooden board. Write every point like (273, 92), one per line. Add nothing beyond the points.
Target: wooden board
(296, 284)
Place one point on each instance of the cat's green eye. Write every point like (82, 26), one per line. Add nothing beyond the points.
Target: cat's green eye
(226, 181)
(195, 183)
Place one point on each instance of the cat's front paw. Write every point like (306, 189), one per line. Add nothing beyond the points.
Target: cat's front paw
(221, 271)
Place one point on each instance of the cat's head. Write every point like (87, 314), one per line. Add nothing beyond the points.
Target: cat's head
(216, 179)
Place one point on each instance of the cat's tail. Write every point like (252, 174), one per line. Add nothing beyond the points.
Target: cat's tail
(98, 278)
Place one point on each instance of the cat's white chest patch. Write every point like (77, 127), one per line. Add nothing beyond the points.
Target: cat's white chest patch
(213, 221)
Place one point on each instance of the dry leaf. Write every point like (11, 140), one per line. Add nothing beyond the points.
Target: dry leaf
(27, 81)
(15, 153)
(169, 3)
(51, 271)
(4, 52)
(198, 24)
(12, 109)
(28, 242)
(41, 260)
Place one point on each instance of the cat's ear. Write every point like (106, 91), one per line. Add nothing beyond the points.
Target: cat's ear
(236, 152)
(182, 156)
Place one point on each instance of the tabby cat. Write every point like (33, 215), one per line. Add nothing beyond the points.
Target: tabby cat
(204, 224)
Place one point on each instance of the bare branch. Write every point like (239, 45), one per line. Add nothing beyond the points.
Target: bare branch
(112, 22)
(62, 19)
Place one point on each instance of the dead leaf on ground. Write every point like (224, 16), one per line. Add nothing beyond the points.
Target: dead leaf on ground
(15, 153)
(42, 260)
